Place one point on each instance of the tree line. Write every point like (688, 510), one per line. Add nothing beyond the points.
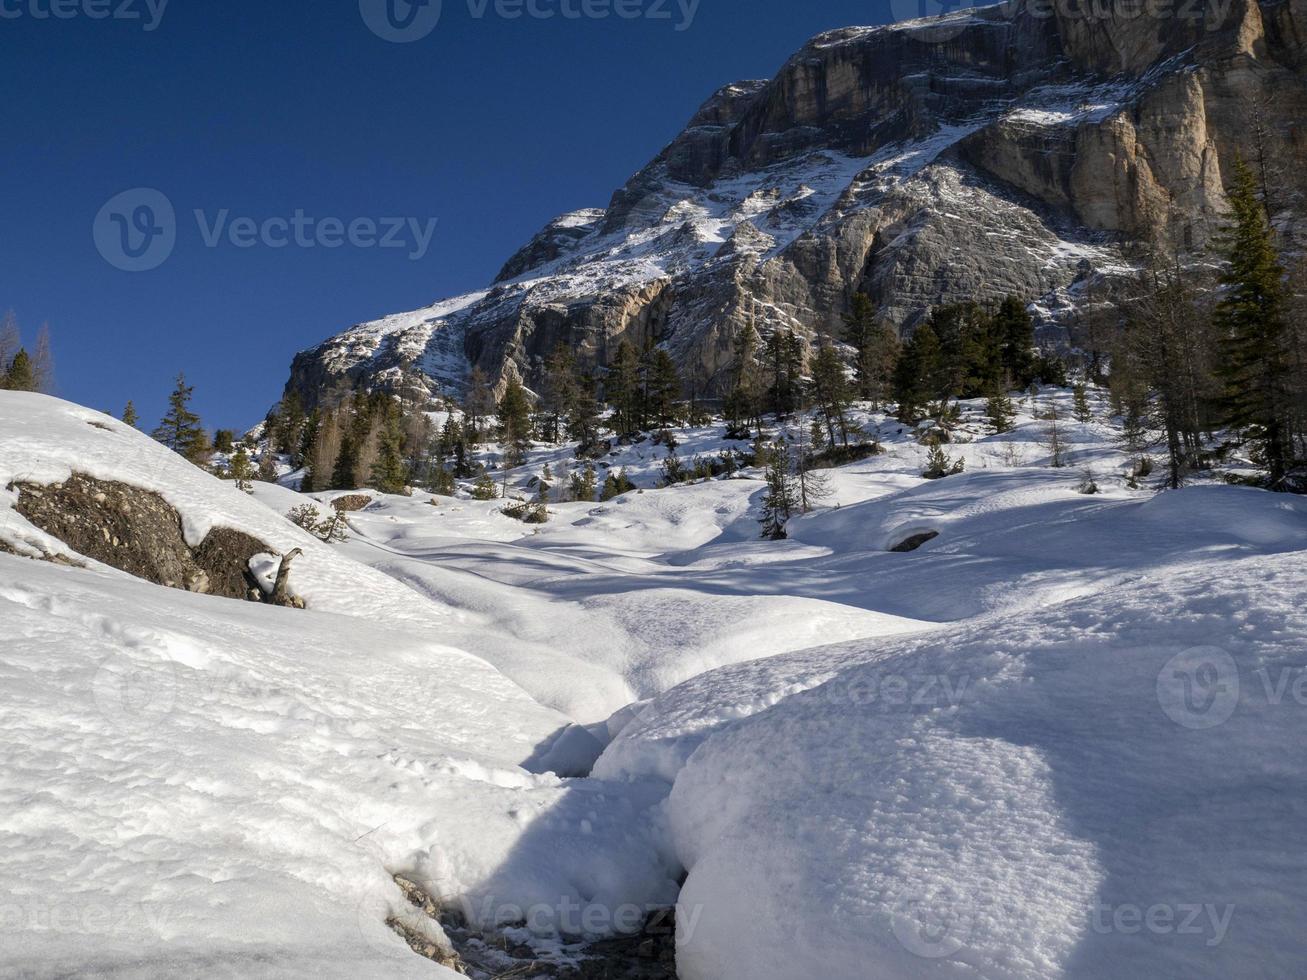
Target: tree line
(19, 369)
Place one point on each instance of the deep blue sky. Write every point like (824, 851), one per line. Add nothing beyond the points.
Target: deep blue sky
(262, 107)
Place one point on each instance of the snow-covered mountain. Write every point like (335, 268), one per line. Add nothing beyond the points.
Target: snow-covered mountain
(1023, 148)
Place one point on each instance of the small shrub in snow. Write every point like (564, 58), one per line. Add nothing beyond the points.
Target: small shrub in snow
(939, 465)
(484, 488)
(1087, 485)
(329, 529)
(527, 512)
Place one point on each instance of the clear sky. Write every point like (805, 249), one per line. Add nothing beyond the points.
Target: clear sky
(261, 109)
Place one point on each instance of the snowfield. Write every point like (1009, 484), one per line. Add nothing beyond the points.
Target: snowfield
(1061, 739)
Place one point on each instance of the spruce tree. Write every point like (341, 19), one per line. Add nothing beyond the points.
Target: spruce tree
(242, 470)
(130, 415)
(1080, 394)
(180, 428)
(622, 389)
(1015, 332)
(559, 392)
(999, 411)
(780, 499)
(741, 405)
(515, 422)
(917, 378)
(831, 395)
(664, 387)
(20, 376)
(1252, 331)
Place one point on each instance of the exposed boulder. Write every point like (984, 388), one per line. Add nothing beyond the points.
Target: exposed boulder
(138, 532)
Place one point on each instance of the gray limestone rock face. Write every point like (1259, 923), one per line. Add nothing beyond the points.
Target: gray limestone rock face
(1017, 149)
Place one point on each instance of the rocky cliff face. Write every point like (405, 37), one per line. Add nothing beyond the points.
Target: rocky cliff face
(1023, 148)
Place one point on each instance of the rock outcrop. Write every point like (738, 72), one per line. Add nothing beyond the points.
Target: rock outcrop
(1024, 148)
(138, 532)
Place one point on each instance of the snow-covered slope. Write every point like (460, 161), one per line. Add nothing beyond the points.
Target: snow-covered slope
(1060, 739)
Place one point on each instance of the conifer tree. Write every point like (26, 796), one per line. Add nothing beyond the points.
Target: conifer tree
(242, 470)
(860, 333)
(1080, 395)
(999, 411)
(484, 487)
(515, 422)
(784, 357)
(780, 499)
(831, 395)
(1015, 330)
(130, 415)
(478, 406)
(180, 428)
(389, 474)
(622, 390)
(664, 387)
(742, 403)
(917, 377)
(1252, 330)
(559, 392)
(20, 377)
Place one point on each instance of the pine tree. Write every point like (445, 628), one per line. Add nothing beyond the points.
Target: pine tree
(1015, 330)
(814, 486)
(388, 473)
(267, 472)
(584, 484)
(784, 357)
(664, 387)
(917, 378)
(742, 403)
(515, 422)
(999, 411)
(616, 485)
(559, 394)
(180, 428)
(780, 499)
(622, 390)
(939, 465)
(130, 416)
(1080, 394)
(484, 487)
(861, 332)
(1252, 330)
(20, 377)
(478, 406)
(224, 440)
(242, 470)
(831, 395)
